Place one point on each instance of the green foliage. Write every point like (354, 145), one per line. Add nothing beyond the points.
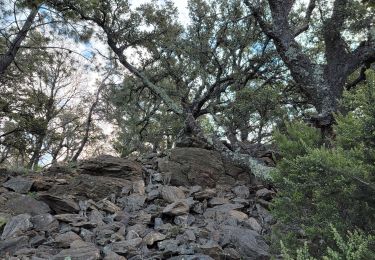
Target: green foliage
(355, 246)
(323, 185)
(3, 222)
(298, 141)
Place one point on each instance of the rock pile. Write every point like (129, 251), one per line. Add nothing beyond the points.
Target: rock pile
(125, 213)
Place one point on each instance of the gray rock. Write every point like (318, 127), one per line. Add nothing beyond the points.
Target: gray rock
(253, 224)
(172, 194)
(193, 166)
(136, 231)
(45, 222)
(241, 191)
(191, 257)
(97, 217)
(200, 207)
(211, 249)
(37, 240)
(64, 240)
(205, 194)
(125, 247)
(140, 217)
(111, 166)
(87, 235)
(153, 194)
(217, 201)
(70, 218)
(157, 223)
(85, 186)
(248, 242)
(184, 220)
(108, 206)
(26, 204)
(177, 208)
(103, 236)
(17, 226)
(11, 245)
(139, 187)
(60, 204)
(19, 184)
(133, 202)
(153, 237)
(113, 256)
(170, 245)
(265, 194)
(84, 252)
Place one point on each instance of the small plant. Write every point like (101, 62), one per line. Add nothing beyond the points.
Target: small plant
(3, 222)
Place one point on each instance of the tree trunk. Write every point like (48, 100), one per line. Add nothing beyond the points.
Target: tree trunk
(89, 122)
(7, 58)
(36, 154)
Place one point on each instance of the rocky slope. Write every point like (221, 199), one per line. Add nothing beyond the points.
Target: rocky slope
(189, 205)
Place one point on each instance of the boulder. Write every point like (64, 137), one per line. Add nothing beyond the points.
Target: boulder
(172, 194)
(110, 166)
(45, 222)
(124, 247)
(193, 166)
(197, 166)
(11, 245)
(60, 204)
(265, 194)
(64, 240)
(17, 226)
(248, 242)
(19, 204)
(19, 184)
(84, 252)
(85, 186)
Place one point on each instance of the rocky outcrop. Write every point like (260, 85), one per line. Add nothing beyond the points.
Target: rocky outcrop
(87, 216)
(196, 166)
(110, 166)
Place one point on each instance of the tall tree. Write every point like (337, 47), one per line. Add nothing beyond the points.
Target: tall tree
(14, 44)
(322, 83)
(187, 70)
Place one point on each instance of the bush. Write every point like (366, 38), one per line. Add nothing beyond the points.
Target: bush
(321, 185)
(356, 246)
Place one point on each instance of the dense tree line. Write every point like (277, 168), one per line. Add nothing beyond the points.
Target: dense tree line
(240, 75)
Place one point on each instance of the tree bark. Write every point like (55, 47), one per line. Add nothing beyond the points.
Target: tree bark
(7, 58)
(322, 84)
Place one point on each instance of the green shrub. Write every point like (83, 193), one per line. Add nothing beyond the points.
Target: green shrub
(320, 185)
(355, 246)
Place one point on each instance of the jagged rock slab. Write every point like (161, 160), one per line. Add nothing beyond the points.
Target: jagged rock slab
(111, 166)
(11, 245)
(88, 252)
(86, 186)
(19, 184)
(45, 222)
(16, 226)
(248, 242)
(19, 204)
(193, 166)
(60, 204)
